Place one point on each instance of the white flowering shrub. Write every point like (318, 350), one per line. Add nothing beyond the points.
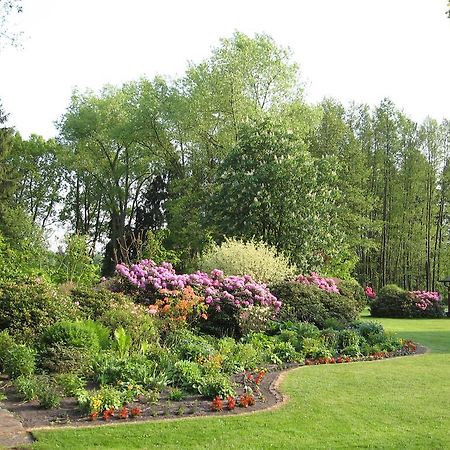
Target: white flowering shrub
(254, 258)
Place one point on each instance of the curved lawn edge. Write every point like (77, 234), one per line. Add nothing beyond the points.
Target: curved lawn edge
(274, 389)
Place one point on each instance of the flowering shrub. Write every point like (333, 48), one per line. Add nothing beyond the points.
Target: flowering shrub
(222, 295)
(369, 292)
(393, 301)
(426, 299)
(326, 284)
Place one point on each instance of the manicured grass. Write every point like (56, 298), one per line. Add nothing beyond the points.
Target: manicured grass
(393, 404)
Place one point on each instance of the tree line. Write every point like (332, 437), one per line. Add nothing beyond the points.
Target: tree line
(232, 148)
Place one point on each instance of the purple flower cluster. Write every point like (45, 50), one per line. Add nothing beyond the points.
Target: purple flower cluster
(426, 299)
(237, 291)
(326, 284)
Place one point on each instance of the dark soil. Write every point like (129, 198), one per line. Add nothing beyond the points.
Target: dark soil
(33, 416)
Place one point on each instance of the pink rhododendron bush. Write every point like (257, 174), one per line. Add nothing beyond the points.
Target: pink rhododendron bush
(232, 303)
(393, 301)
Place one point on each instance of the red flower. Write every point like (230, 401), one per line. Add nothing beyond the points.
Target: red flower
(93, 415)
(246, 400)
(231, 403)
(108, 413)
(135, 412)
(217, 404)
(123, 413)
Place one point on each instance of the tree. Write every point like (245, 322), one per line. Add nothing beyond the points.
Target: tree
(270, 188)
(103, 140)
(39, 171)
(8, 8)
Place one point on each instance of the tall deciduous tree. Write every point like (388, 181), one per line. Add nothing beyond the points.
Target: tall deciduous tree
(271, 188)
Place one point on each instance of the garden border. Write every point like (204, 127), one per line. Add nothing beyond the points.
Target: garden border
(281, 399)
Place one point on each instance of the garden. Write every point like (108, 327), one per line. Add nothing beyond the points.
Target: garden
(150, 343)
(266, 269)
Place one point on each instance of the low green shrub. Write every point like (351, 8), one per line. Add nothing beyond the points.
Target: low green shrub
(188, 375)
(308, 303)
(93, 302)
(77, 334)
(27, 308)
(134, 319)
(6, 342)
(49, 395)
(189, 345)
(255, 258)
(28, 386)
(20, 359)
(59, 358)
(70, 383)
(214, 384)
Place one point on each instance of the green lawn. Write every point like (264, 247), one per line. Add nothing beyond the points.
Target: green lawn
(394, 404)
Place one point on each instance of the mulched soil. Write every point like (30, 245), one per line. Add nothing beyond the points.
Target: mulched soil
(34, 417)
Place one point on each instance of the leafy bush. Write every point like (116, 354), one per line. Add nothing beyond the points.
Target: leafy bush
(6, 342)
(189, 345)
(393, 301)
(111, 369)
(27, 308)
(93, 302)
(75, 264)
(188, 375)
(309, 303)
(49, 395)
(20, 360)
(78, 334)
(70, 383)
(254, 258)
(28, 386)
(216, 383)
(59, 358)
(134, 319)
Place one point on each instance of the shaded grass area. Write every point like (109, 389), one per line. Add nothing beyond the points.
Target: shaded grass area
(398, 403)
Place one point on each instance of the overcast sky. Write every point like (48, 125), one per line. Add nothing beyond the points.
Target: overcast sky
(357, 50)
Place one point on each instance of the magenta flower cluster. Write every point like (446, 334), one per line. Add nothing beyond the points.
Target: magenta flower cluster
(370, 292)
(426, 299)
(237, 291)
(326, 284)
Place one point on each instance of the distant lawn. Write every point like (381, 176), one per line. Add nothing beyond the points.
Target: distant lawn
(394, 404)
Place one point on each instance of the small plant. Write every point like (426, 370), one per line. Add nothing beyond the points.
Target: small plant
(123, 342)
(93, 416)
(231, 403)
(70, 383)
(217, 404)
(246, 400)
(176, 395)
(19, 360)
(108, 413)
(28, 387)
(49, 396)
(194, 407)
(124, 413)
(181, 410)
(134, 412)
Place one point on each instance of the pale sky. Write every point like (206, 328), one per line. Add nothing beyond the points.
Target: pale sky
(356, 50)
